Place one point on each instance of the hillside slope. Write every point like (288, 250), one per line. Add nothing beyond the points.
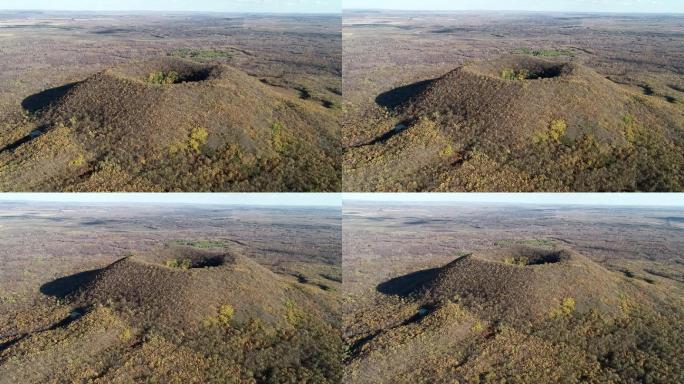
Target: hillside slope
(179, 315)
(173, 124)
(519, 123)
(519, 315)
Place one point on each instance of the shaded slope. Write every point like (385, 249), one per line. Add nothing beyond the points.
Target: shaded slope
(205, 127)
(520, 123)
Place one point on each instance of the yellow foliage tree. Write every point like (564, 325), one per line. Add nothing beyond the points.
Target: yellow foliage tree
(198, 136)
(226, 313)
(557, 129)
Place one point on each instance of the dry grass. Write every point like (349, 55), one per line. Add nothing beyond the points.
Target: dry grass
(501, 301)
(73, 314)
(559, 127)
(505, 133)
(185, 135)
(127, 116)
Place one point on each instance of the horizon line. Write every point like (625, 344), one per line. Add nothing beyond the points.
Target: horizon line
(590, 199)
(517, 11)
(330, 205)
(455, 202)
(168, 11)
(236, 199)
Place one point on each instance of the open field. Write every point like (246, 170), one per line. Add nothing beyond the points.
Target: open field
(491, 101)
(443, 293)
(163, 102)
(169, 293)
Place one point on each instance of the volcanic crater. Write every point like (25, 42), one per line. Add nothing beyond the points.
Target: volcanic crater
(517, 123)
(186, 71)
(158, 288)
(522, 284)
(143, 124)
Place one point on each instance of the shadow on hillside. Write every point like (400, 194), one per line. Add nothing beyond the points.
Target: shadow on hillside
(64, 286)
(40, 100)
(399, 128)
(407, 284)
(398, 96)
(17, 337)
(18, 143)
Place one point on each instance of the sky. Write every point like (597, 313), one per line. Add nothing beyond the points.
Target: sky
(334, 6)
(276, 6)
(265, 199)
(608, 199)
(628, 6)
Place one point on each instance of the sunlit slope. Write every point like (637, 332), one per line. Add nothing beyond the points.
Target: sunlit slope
(176, 314)
(521, 123)
(173, 124)
(520, 315)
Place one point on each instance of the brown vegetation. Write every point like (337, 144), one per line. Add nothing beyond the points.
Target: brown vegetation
(208, 129)
(120, 116)
(573, 112)
(552, 126)
(471, 293)
(166, 293)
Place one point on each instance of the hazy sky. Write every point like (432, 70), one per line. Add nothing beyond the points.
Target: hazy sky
(674, 6)
(286, 199)
(288, 6)
(634, 199)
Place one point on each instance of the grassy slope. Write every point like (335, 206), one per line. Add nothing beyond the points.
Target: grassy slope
(115, 131)
(155, 323)
(472, 130)
(614, 330)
